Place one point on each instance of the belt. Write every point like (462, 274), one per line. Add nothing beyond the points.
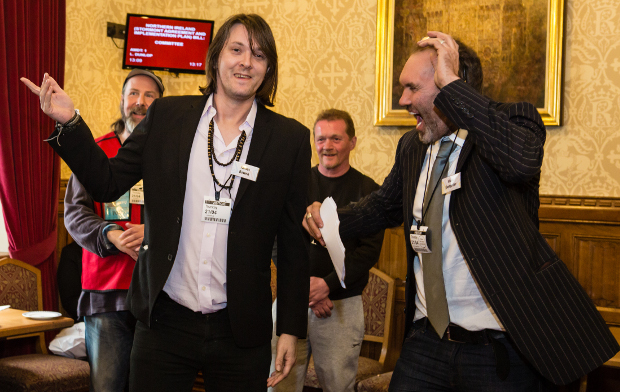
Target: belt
(457, 334)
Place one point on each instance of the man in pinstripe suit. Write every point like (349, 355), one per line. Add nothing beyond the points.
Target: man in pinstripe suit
(518, 320)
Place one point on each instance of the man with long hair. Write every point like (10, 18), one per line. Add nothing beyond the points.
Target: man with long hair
(222, 176)
(110, 234)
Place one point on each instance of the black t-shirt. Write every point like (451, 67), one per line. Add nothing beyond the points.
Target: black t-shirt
(361, 253)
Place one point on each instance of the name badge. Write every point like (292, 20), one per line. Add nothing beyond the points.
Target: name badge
(244, 170)
(117, 210)
(418, 239)
(216, 211)
(136, 195)
(451, 183)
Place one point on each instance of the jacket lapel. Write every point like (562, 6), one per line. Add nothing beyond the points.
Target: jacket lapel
(189, 125)
(414, 161)
(260, 137)
(467, 147)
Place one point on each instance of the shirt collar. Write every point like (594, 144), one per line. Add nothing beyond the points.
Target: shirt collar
(247, 126)
(460, 140)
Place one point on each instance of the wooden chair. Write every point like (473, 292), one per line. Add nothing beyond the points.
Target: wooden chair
(20, 287)
(378, 299)
(378, 383)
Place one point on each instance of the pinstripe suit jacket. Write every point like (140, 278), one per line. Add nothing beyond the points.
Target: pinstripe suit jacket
(494, 215)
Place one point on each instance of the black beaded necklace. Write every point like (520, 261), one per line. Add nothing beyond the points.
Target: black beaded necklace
(212, 157)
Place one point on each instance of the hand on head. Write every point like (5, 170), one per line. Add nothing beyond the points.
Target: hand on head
(312, 221)
(54, 101)
(446, 61)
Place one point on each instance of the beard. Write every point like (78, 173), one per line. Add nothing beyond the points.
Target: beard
(436, 126)
(130, 123)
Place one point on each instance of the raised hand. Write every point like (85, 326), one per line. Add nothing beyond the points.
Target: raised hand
(446, 61)
(54, 101)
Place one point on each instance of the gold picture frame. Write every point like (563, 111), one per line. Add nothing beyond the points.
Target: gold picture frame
(386, 113)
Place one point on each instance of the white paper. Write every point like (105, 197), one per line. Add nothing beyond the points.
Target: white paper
(70, 342)
(331, 236)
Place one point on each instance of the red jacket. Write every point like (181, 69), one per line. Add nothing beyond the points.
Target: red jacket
(112, 272)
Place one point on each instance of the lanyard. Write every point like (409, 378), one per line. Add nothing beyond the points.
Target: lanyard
(236, 156)
(438, 181)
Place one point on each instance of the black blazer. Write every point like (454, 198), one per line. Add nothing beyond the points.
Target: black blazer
(158, 152)
(494, 215)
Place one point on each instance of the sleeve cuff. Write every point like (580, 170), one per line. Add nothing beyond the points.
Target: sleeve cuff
(332, 282)
(108, 245)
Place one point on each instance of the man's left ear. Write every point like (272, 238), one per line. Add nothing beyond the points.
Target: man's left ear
(353, 142)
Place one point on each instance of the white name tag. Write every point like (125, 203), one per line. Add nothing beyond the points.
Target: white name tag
(418, 239)
(244, 170)
(136, 196)
(216, 211)
(451, 183)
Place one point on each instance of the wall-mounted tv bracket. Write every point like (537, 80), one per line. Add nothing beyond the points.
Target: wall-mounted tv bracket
(115, 30)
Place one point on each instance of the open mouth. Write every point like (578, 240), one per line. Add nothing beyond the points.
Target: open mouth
(240, 76)
(419, 119)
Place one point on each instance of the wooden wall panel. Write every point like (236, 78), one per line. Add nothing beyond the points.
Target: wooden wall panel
(585, 233)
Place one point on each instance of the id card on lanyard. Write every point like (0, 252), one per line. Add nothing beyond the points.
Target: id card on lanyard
(419, 239)
(117, 210)
(216, 211)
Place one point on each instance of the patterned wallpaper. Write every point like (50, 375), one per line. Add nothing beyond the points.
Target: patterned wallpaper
(583, 156)
(327, 59)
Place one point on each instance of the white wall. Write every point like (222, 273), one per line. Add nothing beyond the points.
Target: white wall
(4, 241)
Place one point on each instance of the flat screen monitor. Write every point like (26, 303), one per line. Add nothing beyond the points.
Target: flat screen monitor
(168, 44)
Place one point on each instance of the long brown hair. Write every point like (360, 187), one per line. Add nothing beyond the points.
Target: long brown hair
(259, 33)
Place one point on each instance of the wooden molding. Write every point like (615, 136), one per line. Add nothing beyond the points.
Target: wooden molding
(603, 210)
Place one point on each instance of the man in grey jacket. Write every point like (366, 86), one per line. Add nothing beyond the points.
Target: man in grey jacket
(110, 234)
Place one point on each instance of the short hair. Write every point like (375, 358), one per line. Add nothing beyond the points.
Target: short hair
(335, 114)
(260, 33)
(470, 68)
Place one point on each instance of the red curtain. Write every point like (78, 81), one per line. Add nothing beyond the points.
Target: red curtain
(32, 42)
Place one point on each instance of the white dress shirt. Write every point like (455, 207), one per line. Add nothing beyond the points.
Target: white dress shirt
(466, 304)
(198, 276)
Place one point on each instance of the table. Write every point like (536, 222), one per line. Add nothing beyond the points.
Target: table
(13, 324)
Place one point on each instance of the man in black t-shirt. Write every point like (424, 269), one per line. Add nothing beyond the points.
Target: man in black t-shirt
(335, 314)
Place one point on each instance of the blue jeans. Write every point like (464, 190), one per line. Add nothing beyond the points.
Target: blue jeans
(428, 363)
(109, 338)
